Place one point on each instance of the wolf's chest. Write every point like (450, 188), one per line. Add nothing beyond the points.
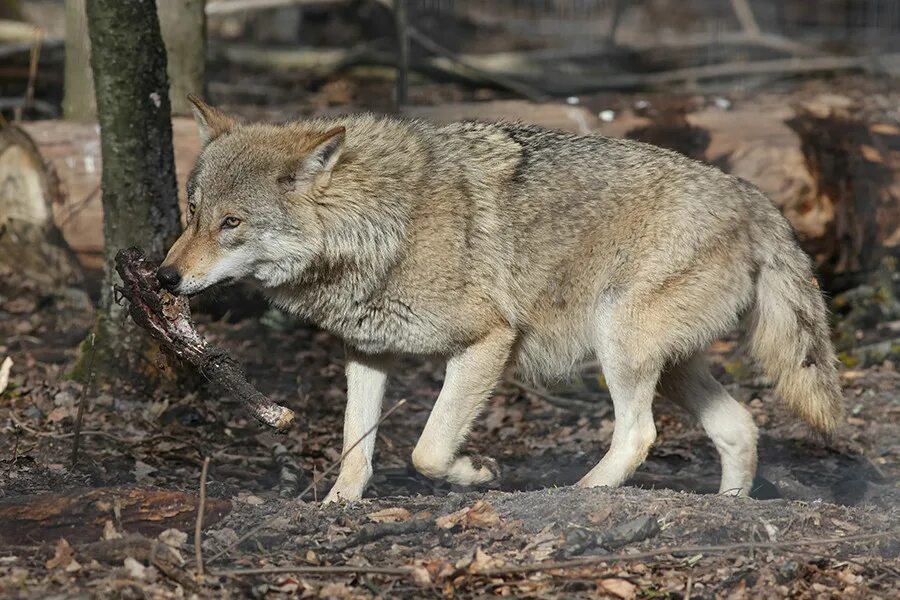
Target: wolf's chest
(375, 326)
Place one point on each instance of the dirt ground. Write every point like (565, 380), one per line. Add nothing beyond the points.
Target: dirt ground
(823, 522)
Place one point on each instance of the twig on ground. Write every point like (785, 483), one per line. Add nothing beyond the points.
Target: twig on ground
(198, 528)
(688, 550)
(333, 466)
(79, 416)
(376, 531)
(558, 401)
(311, 570)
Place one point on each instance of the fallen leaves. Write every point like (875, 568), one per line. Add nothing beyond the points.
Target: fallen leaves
(481, 515)
(394, 514)
(620, 588)
(63, 558)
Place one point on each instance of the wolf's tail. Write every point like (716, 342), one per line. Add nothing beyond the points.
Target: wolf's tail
(789, 331)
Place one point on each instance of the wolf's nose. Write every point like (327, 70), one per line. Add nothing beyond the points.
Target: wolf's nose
(168, 277)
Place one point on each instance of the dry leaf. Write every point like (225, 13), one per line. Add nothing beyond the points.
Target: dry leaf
(482, 561)
(109, 531)
(173, 538)
(58, 414)
(421, 575)
(63, 555)
(451, 520)
(481, 514)
(5, 368)
(390, 515)
(599, 516)
(135, 569)
(885, 129)
(620, 588)
(337, 590)
(871, 153)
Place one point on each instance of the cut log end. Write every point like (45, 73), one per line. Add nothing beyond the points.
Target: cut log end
(167, 318)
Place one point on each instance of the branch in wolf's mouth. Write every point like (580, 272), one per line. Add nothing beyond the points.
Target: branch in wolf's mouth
(168, 320)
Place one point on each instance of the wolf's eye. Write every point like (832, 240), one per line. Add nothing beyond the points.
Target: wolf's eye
(192, 208)
(230, 222)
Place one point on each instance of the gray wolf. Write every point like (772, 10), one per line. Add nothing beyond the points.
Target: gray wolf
(492, 244)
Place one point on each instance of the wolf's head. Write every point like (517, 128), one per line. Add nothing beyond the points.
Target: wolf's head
(251, 203)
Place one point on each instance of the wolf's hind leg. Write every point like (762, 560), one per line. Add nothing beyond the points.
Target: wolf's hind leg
(471, 377)
(632, 387)
(729, 425)
(366, 381)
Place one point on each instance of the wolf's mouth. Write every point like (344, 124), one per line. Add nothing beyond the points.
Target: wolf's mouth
(211, 288)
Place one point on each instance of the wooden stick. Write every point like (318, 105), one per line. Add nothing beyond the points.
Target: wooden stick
(745, 17)
(167, 318)
(558, 401)
(311, 570)
(198, 527)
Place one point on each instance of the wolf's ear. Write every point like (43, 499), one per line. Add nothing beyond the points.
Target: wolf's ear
(211, 121)
(317, 163)
(326, 151)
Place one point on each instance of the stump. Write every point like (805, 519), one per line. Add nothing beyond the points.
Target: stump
(31, 247)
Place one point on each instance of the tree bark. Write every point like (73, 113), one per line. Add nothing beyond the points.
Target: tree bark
(80, 515)
(139, 189)
(183, 25)
(78, 100)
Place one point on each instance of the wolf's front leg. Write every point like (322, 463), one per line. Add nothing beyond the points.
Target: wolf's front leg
(471, 376)
(366, 380)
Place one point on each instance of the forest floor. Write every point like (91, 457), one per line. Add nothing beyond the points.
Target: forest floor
(824, 520)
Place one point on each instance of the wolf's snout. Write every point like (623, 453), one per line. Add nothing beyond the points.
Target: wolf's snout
(168, 277)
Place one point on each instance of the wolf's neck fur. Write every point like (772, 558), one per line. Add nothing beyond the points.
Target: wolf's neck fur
(345, 284)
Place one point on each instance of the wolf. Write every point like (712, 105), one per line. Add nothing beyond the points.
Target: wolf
(499, 244)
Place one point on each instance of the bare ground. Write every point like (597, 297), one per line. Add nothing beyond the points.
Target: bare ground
(824, 521)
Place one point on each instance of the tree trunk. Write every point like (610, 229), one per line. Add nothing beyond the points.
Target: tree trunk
(139, 190)
(11, 9)
(183, 24)
(79, 103)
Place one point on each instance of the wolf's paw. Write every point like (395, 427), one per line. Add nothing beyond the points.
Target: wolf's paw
(344, 493)
(473, 470)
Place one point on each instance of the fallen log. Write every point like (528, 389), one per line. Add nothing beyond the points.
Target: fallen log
(167, 318)
(81, 516)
